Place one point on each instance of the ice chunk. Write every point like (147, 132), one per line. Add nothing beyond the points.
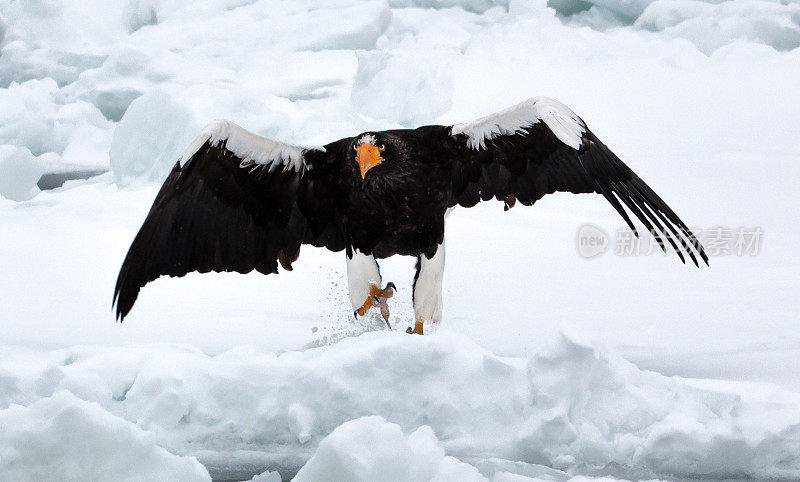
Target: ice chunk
(63, 437)
(267, 476)
(370, 448)
(19, 172)
(150, 138)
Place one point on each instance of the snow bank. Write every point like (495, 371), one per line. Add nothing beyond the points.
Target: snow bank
(65, 438)
(574, 407)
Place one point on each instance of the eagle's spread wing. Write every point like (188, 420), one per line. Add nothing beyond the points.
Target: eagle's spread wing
(539, 147)
(234, 202)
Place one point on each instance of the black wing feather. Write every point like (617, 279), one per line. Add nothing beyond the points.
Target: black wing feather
(532, 162)
(213, 214)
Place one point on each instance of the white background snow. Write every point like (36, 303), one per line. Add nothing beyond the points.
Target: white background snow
(546, 366)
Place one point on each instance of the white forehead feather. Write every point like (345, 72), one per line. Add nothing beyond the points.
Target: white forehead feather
(367, 139)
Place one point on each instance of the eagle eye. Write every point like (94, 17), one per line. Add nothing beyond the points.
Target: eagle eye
(381, 147)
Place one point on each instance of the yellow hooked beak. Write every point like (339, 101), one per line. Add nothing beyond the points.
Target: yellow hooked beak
(367, 156)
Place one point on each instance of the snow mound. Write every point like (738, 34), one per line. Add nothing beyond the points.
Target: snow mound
(370, 448)
(150, 138)
(66, 438)
(574, 407)
(19, 173)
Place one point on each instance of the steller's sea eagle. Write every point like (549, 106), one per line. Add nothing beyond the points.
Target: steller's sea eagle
(236, 201)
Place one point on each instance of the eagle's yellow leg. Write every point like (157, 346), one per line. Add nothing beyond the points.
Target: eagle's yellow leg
(417, 328)
(377, 297)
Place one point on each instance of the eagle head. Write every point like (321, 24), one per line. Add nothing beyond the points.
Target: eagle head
(368, 153)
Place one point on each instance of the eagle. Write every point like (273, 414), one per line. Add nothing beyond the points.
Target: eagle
(236, 201)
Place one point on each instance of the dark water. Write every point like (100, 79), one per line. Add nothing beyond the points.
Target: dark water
(57, 179)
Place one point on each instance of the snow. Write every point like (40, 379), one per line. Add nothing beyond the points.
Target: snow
(546, 366)
(64, 437)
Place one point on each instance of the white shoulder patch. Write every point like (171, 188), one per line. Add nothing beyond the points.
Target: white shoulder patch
(564, 123)
(249, 147)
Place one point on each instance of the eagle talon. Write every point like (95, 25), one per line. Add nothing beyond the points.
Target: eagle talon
(417, 329)
(377, 297)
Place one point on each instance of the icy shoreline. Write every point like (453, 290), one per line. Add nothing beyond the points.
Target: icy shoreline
(574, 407)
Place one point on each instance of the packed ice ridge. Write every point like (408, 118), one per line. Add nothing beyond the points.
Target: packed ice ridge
(573, 406)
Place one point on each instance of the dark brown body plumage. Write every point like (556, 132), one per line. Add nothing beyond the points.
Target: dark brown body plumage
(399, 207)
